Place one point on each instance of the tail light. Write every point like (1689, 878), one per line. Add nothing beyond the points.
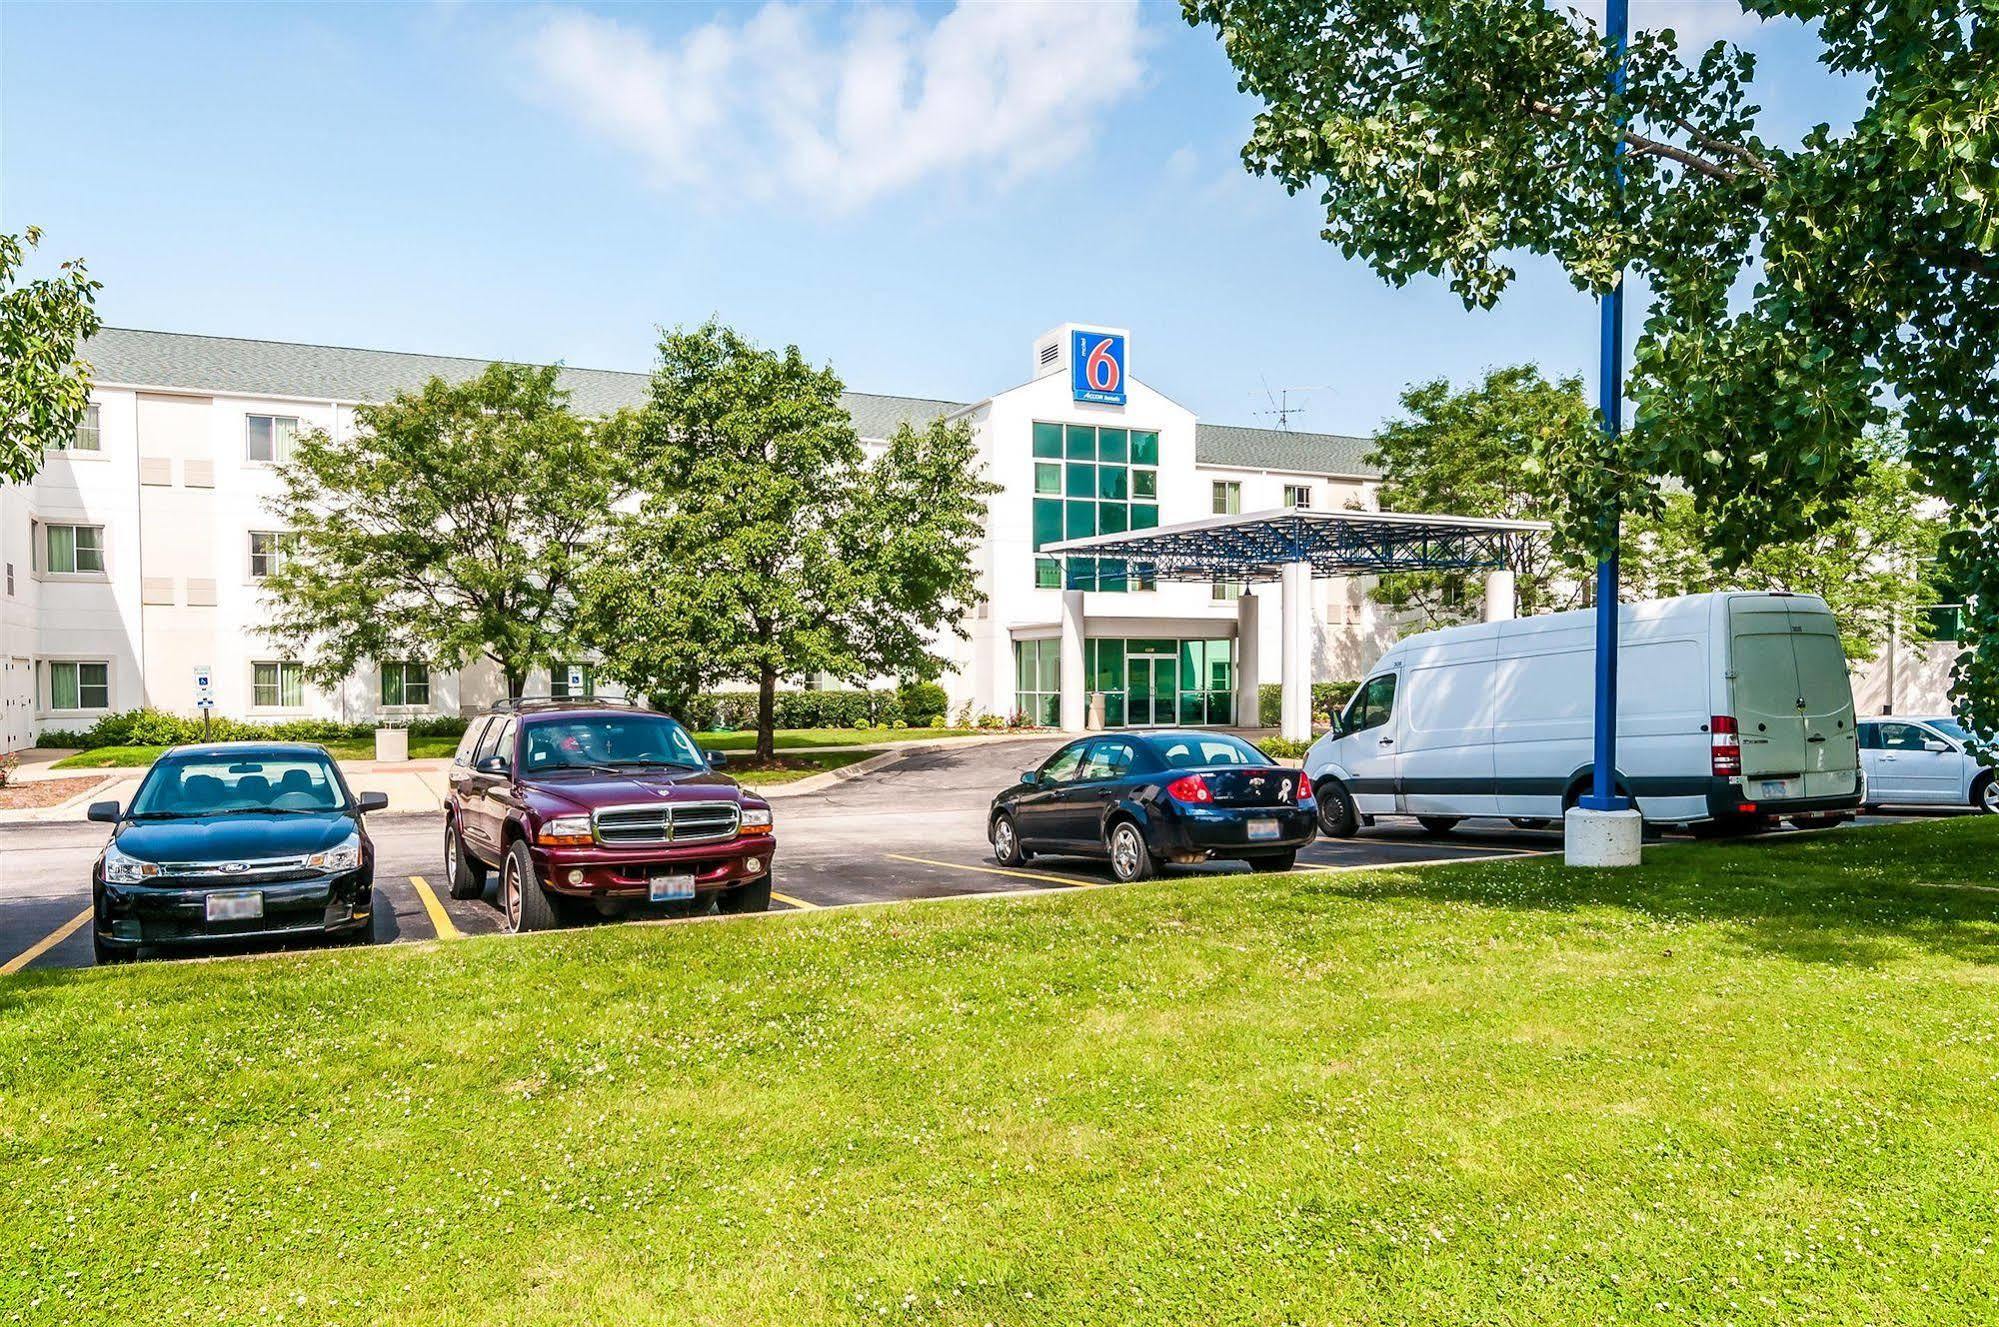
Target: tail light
(1304, 786)
(1190, 788)
(1727, 746)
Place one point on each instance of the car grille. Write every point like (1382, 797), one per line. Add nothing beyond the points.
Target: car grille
(668, 822)
(272, 870)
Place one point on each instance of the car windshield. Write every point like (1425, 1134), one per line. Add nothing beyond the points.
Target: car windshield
(225, 784)
(1207, 749)
(608, 741)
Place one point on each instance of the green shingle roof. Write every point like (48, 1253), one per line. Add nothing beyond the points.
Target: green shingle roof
(237, 365)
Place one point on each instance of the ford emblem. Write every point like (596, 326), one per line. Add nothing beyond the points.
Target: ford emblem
(235, 868)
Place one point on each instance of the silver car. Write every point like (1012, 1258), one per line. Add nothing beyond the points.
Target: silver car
(1924, 760)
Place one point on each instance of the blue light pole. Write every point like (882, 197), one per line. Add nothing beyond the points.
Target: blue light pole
(1603, 788)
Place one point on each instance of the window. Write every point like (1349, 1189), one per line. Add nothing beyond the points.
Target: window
(1221, 591)
(558, 682)
(1108, 758)
(268, 551)
(405, 684)
(1905, 737)
(470, 742)
(10, 580)
(240, 781)
(1370, 706)
(75, 548)
(79, 686)
(1208, 749)
(269, 437)
(1091, 481)
(1037, 680)
(1228, 497)
(89, 437)
(1299, 496)
(499, 734)
(1065, 764)
(278, 685)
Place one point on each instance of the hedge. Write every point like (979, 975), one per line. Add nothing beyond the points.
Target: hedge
(159, 728)
(796, 709)
(1327, 698)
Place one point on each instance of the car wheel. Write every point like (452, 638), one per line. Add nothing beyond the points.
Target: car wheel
(1338, 817)
(1529, 822)
(1985, 796)
(464, 875)
(1438, 824)
(106, 953)
(523, 901)
(1130, 858)
(1275, 861)
(751, 897)
(1006, 843)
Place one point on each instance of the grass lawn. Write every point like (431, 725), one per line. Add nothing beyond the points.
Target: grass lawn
(789, 767)
(794, 739)
(1750, 1083)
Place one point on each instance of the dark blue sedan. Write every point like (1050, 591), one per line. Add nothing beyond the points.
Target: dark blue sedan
(1141, 798)
(234, 841)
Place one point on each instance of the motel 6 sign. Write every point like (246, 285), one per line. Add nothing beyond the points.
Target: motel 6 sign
(1096, 367)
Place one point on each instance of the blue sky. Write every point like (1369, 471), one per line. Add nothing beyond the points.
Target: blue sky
(553, 183)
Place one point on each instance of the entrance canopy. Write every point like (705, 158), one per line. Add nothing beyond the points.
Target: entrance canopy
(1258, 546)
(1293, 546)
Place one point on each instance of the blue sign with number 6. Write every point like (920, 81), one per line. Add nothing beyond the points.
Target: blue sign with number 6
(1096, 367)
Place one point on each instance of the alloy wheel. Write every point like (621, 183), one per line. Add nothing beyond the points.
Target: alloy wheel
(1988, 801)
(1124, 852)
(510, 893)
(1003, 840)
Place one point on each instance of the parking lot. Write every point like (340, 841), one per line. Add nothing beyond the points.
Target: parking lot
(913, 829)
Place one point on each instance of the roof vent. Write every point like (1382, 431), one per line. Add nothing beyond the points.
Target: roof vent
(1048, 354)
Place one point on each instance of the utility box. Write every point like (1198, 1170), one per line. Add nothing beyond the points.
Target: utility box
(392, 744)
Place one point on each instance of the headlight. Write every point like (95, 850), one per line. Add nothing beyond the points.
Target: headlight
(344, 856)
(123, 869)
(565, 830)
(756, 820)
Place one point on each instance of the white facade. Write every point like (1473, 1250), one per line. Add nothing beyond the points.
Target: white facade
(179, 483)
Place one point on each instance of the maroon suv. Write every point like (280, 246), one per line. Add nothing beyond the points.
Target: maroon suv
(591, 804)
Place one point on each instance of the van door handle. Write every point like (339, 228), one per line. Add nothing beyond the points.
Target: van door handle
(1388, 741)
(1816, 737)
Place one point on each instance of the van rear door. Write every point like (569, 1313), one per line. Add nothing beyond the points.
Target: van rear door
(1793, 703)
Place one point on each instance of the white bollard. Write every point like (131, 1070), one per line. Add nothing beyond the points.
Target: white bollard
(1602, 838)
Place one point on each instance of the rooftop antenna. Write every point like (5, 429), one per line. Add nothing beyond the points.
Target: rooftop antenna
(1281, 408)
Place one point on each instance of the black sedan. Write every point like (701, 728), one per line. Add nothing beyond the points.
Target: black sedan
(1142, 798)
(236, 840)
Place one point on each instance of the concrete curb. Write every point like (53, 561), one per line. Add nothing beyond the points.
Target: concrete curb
(887, 756)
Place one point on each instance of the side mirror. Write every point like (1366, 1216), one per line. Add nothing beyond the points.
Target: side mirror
(1934, 745)
(372, 802)
(104, 811)
(717, 759)
(1030, 777)
(492, 765)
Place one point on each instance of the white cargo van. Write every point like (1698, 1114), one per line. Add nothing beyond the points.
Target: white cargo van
(1731, 707)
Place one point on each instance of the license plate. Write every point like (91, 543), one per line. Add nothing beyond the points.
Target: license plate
(1774, 788)
(243, 905)
(1263, 829)
(669, 888)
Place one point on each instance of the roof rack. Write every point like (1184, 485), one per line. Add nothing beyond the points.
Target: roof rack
(520, 704)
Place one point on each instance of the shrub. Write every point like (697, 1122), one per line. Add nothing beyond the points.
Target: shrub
(794, 709)
(8, 762)
(1327, 698)
(148, 727)
(1283, 748)
(923, 703)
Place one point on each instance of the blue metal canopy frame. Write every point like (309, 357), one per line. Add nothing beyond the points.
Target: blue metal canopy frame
(1257, 546)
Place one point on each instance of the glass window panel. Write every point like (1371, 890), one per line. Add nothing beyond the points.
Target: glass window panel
(1227, 497)
(257, 445)
(93, 686)
(1082, 480)
(89, 552)
(1113, 517)
(1110, 481)
(1113, 445)
(1047, 521)
(1047, 574)
(1110, 574)
(1048, 440)
(1194, 708)
(1022, 661)
(1150, 646)
(62, 548)
(283, 431)
(1049, 711)
(1144, 515)
(1221, 708)
(1082, 573)
(1192, 659)
(1081, 521)
(1145, 483)
(1144, 448)
(1082, 442)
(1108, 672)
(1114, 709)
(1144, 576)
(62, 687)
(1047, 477)
(89, 435)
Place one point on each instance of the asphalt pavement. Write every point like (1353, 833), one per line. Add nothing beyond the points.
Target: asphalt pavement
(914, 828)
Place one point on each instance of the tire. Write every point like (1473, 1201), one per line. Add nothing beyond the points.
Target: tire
(1131, 860)
(464, 874)
(1278, 862)
(1338, 817)
(1529, 822)
(524, 904)
(1985, 794)
(1438, 824)
(1006, 842)
(106, 954)
(751, 897)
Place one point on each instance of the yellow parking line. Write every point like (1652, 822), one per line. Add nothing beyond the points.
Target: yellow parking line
(46, 943)
(994, 870)
(791, 902)
(439, 918)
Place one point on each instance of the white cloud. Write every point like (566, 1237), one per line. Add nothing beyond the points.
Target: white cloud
(844, 109)
(1697, 23)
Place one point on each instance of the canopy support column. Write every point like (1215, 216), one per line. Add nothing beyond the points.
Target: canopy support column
(1296, 673)
(1074, 684)
(1500, 603)
(1248, 659)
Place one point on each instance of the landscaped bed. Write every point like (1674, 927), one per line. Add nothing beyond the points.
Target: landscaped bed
(1751, 1083)
(36, 794)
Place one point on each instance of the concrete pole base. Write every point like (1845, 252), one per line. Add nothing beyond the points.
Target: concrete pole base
(1602, 838)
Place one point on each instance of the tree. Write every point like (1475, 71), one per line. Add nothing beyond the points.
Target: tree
(766, 546)
(1444, 137)
(1479, 450)
(1488, 449)
(446, 527)
(44, 387)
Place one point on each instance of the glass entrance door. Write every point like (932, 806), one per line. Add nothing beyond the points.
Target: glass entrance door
(1152, 688)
